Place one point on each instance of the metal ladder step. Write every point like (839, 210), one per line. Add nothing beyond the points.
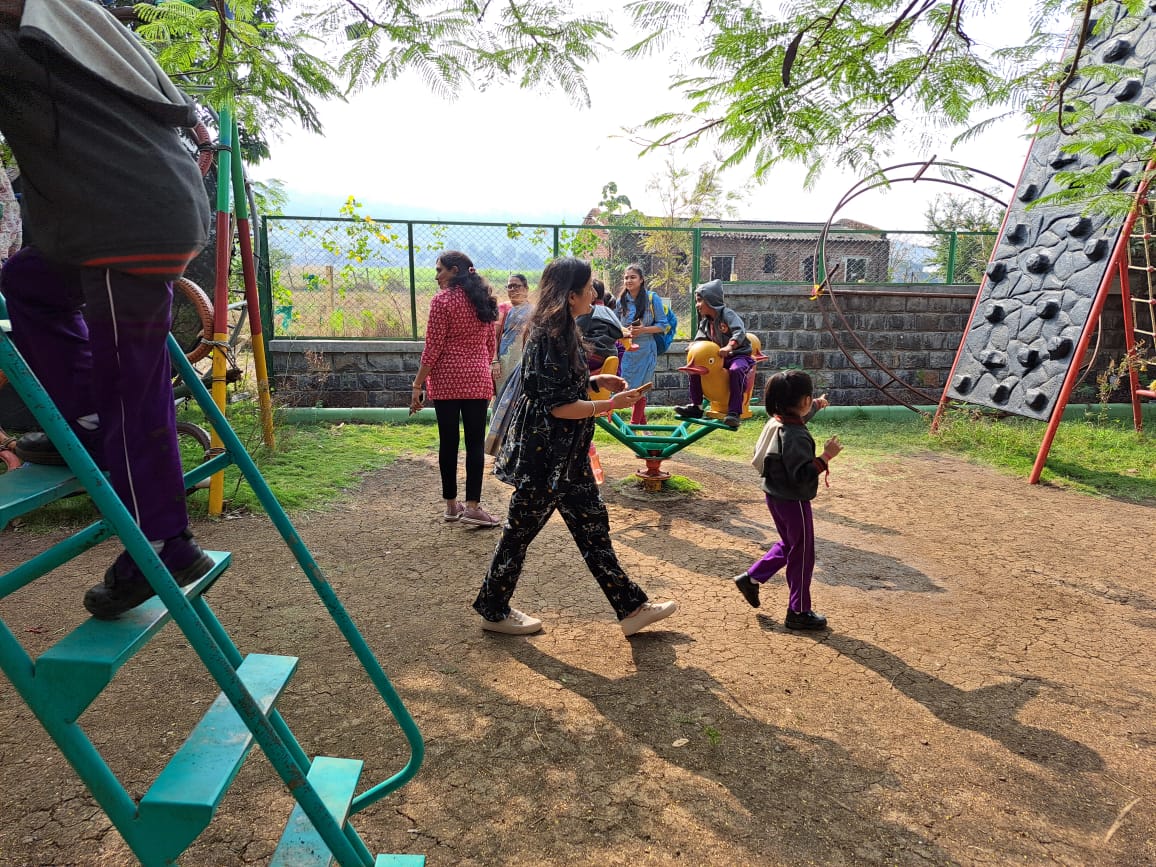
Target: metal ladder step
(335, 781)
(31, 486)
(71, 673)
(181, 802)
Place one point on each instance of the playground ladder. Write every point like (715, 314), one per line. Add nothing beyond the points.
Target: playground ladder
(1140, 305)
(61, 682)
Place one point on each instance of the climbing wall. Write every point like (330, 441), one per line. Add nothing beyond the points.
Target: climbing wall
(1049, 262)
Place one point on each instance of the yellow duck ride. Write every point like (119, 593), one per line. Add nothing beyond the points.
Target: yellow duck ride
(702, 358)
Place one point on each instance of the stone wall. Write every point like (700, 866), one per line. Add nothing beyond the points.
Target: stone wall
(915, 330)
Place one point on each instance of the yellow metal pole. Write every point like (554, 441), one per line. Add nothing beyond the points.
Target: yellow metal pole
(221, 296)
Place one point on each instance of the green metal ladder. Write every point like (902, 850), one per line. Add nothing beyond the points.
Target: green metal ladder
(61, 682)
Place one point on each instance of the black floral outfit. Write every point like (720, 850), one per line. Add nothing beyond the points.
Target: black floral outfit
(546, 460)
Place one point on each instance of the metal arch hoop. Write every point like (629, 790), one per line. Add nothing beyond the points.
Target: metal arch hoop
(826, 290)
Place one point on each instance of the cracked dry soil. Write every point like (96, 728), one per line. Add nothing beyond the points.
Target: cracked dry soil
(985, 694)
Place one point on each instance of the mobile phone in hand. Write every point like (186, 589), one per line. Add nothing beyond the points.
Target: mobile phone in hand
(645, 387)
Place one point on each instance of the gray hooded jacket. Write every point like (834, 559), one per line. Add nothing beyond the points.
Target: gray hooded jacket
(726, 324)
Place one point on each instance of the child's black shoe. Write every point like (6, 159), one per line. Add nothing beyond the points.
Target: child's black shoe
(805, 620)
(749, 589)
(688, 410)
(731, 421)
(125, 586)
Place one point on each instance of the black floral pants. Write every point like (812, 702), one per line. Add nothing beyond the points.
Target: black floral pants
(585, 515)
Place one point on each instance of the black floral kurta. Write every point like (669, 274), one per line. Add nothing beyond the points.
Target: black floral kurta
(547, 460)
(542, 451)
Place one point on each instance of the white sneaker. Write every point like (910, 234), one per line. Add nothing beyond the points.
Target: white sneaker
(646, 615)
(514, 623)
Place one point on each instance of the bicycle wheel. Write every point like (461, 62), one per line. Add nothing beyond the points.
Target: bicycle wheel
(195, 446)
(192, 319)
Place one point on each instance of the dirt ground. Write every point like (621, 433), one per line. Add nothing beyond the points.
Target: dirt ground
(985, 694)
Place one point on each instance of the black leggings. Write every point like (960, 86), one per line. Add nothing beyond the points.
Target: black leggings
(472, 414)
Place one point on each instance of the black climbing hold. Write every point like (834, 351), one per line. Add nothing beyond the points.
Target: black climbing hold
(1001, 393)
(1036, 399)
(963, 383)
(1078, 227)
(996, 271)
(1017, 234)
(995, 313)
(1119, 178)
(1028, 357)
(992, 358)
(1096, 249)
(1127, 90)
(1038, 262)
(1029, 192)
(1058, 159)
(1048, 309)
(1059, 347)
(1117, 49)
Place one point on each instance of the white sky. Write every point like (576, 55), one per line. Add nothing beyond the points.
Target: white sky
(509, 154)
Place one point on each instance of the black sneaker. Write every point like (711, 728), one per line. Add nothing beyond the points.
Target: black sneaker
(731, 421)
(688, 410)
(37, 448)
(125, 586)
(805, 620)
(749, 589)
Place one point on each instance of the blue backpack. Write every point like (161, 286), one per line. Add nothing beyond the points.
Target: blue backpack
(665, 316)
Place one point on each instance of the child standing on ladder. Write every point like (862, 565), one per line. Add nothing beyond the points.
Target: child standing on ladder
(720, 324)
(785, 456)
(114, 211)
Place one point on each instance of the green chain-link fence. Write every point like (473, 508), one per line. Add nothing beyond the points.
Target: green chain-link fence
(365, 278)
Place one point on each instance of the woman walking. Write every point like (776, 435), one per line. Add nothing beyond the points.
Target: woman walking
(545, 457)
(458, 369)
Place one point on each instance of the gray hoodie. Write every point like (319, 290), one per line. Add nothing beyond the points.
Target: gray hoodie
(726, 324)
(91, 120)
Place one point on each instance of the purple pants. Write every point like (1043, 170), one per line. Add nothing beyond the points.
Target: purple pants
(112, 360)
(738, 366)
(795, 550)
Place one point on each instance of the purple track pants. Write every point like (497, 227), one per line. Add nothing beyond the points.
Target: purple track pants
(738, 366)
(795, 550)
(113, 361)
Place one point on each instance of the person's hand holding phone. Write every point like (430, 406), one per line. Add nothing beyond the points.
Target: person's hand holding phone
(631, 396)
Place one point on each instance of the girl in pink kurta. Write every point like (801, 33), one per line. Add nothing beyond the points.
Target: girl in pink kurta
(457, 369)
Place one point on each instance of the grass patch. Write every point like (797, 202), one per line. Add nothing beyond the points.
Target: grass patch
(315, 464)
(1096, 456)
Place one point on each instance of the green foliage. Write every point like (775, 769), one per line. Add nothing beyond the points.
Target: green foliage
(845, 81)
(270, 72)
(971, 223)
(535, 43)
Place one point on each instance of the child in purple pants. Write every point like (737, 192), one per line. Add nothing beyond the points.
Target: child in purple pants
(785, 455)
(722, 325)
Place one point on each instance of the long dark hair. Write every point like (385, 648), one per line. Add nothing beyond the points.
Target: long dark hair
(784, 391)
(552, 319)
(637, 269)
(472, 283)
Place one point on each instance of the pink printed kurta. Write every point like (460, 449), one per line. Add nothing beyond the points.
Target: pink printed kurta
(458, 349)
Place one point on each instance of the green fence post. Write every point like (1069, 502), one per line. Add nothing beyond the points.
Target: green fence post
(951, 245)
(412, 282)
(695, 264)
(556, 247)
